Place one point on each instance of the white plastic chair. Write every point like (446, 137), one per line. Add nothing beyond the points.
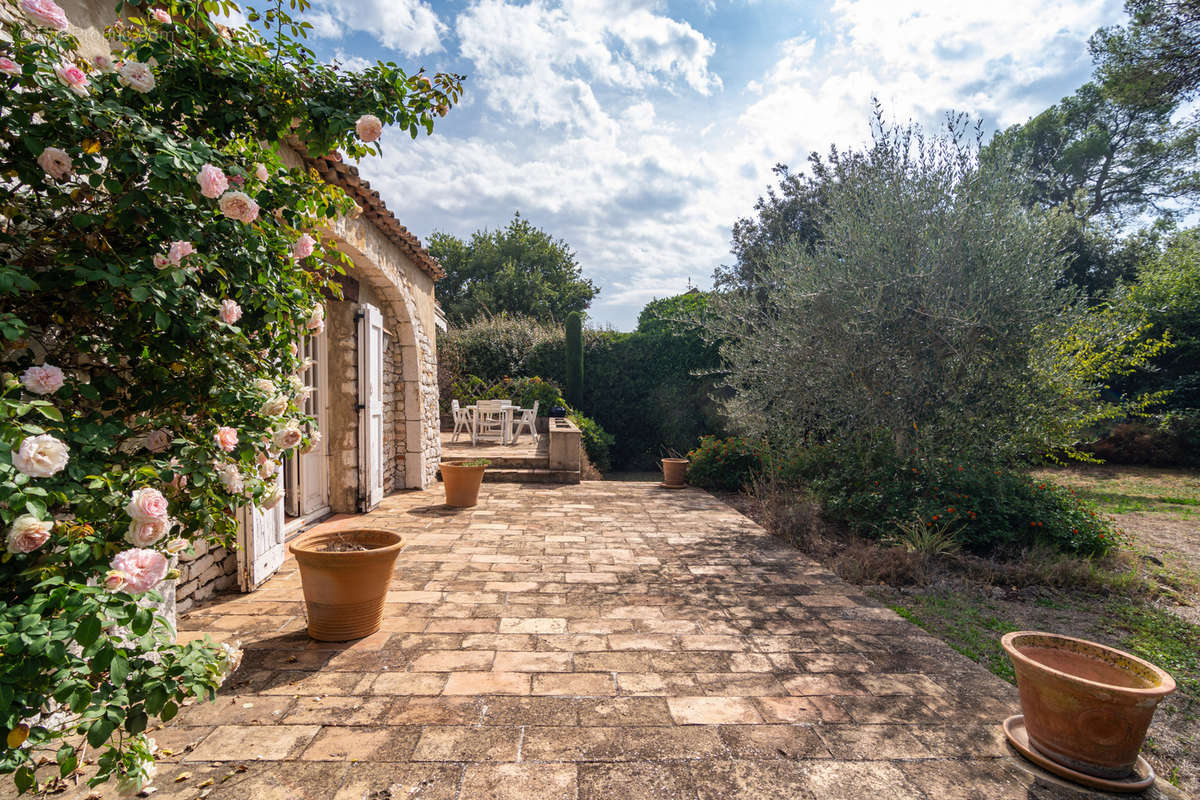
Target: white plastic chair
(489, 419)
(528, 420)
(462, 421)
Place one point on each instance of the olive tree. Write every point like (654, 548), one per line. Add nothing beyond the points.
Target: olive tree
(930, 315)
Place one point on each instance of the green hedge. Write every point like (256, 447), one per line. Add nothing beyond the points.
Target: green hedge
(639, 386)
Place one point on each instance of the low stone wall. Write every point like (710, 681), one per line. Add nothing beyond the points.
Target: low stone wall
(203, 575)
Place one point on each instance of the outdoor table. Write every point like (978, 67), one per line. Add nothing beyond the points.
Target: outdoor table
(509, 412)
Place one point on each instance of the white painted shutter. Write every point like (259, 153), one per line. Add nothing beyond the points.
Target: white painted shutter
(260, 538)
(370, 427)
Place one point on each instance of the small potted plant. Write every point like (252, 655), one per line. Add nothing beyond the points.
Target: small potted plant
(462, 480)
(345, 577)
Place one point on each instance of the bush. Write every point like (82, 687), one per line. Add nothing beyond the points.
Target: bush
(596, 441)
(993, 511)
(651, 389)
(727, 464)
(523, 392)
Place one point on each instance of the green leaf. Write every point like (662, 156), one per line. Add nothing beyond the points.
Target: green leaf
(135, 720)
(118, 670)
(142, 620)
(88, 630)
(67, 760)
(50, 412)
(99, 732)
(24, 778)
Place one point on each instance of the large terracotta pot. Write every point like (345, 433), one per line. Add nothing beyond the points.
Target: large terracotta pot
(674, 471)
(462, 483)
(344, 589)
(1086, 706)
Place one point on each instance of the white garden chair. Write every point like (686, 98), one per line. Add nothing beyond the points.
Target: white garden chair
(490, 419)
(462, 421)
(528, 420)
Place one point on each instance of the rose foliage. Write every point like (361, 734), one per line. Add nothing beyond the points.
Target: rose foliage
(159, 264)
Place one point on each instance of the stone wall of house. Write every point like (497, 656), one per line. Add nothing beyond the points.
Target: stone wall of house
(342, 392)
(207, 572)
(389, 280)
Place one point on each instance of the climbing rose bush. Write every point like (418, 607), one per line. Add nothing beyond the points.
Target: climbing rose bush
(159, 263)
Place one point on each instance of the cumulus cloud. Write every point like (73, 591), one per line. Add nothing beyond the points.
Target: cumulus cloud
(406, 26)
(542, 62)
(603, 121)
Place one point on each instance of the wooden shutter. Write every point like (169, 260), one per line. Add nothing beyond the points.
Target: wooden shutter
(370, 389)
(260, 537)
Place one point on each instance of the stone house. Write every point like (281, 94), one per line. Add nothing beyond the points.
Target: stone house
(374, 382)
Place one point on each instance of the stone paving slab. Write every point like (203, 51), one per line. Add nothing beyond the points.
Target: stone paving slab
(593, 642)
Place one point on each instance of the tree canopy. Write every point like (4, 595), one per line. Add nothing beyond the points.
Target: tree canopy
(518, 270)
(1155, 59)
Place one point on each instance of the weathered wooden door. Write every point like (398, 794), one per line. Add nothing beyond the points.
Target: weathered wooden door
(370, 415)
(260, 539)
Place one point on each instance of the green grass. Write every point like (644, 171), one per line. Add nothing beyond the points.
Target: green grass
(1124, 503)
(1161, 638)
(970, 627)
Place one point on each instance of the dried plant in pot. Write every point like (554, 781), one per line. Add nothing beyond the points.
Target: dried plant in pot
(462, 480)
(345, 577)
(674, 469)
(1086, 706)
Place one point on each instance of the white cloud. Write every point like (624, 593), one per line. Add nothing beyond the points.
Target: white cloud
(541, 62)
(407, 26)
(600, 120)
(351, 63)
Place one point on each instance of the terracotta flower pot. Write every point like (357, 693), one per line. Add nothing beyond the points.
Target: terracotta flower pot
(1086, 706)
(674, 471)
(344, 587)
(462, 483)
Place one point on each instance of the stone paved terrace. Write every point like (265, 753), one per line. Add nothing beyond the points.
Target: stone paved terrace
(594, 642)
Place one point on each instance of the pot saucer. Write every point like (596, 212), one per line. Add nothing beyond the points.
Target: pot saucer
(670, 486)
(1018, 737)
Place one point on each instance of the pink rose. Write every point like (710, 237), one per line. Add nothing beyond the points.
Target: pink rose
(161, 261)
(179, 251)
(176, 546)
(230, 312)
(368, 128)
(316, 320)
(161, 15)
(56, 163)
(73, 78)
(261, 173)
(426, 85)
(147, 505)
(230, 477)
(143, 533)
(226, 438)
(142, 569)
(104, 63)
(45, 13)
(45, 379)
(304, 246)
(237, 180)
(288, 436)
(178, 479)
(28, 533)
(137, 76)
(213, 182)
(239, 206)
(115, 580)
(41, 456)
(9, 67)
(158, 440)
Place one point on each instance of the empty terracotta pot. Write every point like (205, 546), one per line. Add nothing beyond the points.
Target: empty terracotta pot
(462, 483)
(674, 471)
(345, 577)
(1086, 706)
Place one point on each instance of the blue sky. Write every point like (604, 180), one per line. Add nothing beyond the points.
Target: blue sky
(640, 131)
